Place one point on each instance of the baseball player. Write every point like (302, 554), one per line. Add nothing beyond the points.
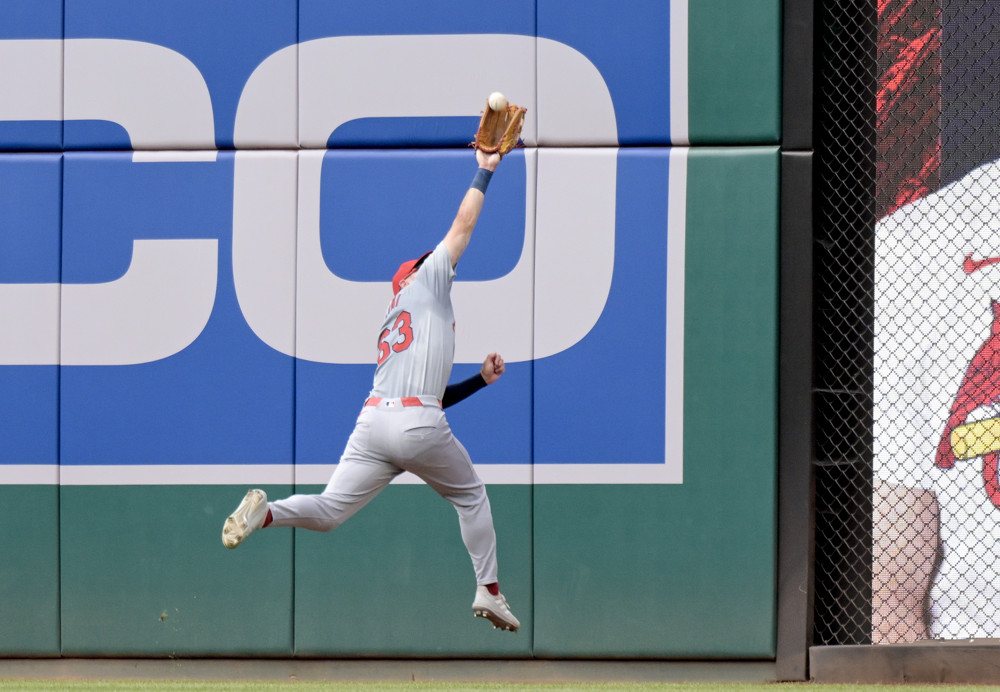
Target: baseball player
(402, 425)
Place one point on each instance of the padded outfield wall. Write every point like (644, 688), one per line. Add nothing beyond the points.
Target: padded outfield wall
(201, 205)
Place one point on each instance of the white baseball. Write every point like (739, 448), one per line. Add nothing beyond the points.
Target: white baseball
(497, 101)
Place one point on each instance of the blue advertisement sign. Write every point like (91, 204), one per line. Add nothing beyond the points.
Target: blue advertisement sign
(196, 256)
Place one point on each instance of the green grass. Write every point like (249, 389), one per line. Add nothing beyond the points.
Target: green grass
(264, 686)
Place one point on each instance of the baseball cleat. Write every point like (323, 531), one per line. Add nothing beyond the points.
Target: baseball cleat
(494, 609)
(247, 518)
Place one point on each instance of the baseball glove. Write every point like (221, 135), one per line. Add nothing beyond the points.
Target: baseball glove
(499, 131)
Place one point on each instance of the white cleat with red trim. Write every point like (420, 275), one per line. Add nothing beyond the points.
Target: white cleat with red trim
(494, 609)
(246, 519)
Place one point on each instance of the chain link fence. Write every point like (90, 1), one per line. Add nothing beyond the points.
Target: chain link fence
(844, 250)
(907, 321)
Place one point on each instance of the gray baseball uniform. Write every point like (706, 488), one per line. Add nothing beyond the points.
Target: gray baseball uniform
(417, 340)
(402, 426)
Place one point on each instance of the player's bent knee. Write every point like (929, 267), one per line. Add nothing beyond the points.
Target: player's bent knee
(470, 504)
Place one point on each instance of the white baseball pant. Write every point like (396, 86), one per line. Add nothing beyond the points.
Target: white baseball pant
(388, 439)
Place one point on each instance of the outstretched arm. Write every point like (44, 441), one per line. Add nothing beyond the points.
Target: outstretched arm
(492, 368)
(458, 236)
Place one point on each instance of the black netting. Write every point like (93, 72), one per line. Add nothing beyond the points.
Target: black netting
(844, 224)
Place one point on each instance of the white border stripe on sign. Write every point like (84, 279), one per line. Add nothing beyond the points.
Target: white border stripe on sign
(178, 474)
(676, 281)
(29, 474)
(679, 72)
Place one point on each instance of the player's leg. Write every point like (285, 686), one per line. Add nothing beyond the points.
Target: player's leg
(359, 477)
(353, 485)
(363, 472)
(445, 465)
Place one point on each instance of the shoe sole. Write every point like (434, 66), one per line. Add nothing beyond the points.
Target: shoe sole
(234, 531)
(230, 533)
(498, 622)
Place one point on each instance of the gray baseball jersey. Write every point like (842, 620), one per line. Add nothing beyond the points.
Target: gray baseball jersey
(416, 344)
(402, 426)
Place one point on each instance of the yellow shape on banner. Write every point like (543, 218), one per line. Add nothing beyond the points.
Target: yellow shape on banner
(973, 439)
